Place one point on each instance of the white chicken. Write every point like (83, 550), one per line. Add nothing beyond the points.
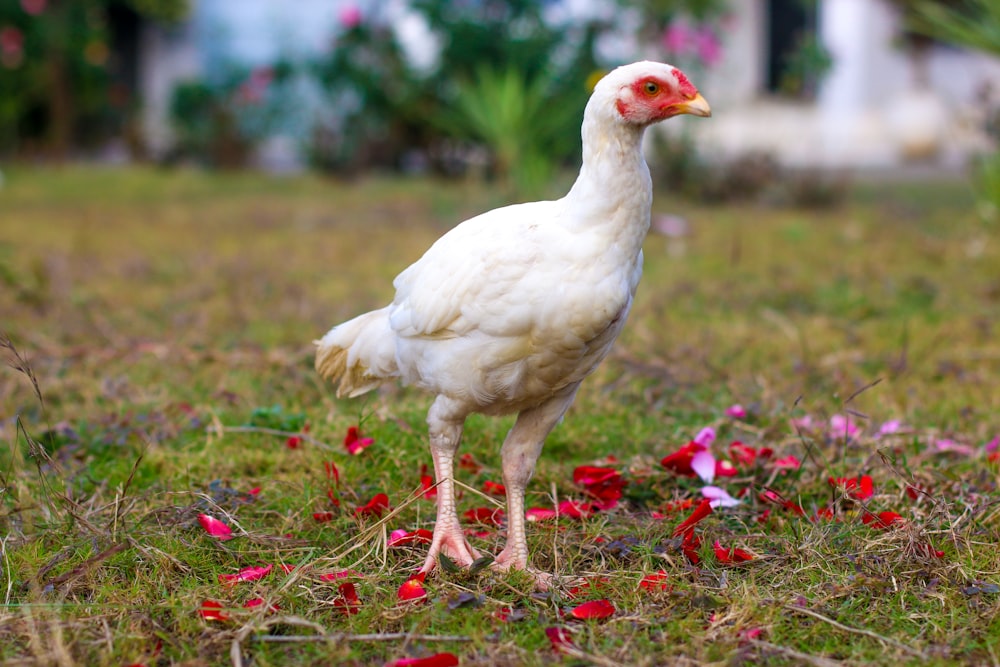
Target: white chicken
(512, 309)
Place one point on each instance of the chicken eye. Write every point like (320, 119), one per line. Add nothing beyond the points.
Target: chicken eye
(651, 88)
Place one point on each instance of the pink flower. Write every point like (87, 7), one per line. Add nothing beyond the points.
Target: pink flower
(677, 38)
(705, 437)
(890, 427)
(350, 16)
(354, 443)
(803, 424)
(946, 445)
(736, 411)
(707, 46)
(842, 427)
(789, 462)
(33, 7)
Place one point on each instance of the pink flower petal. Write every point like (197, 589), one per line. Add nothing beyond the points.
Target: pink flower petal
(215, 528)
(719, 497)
(402, 537)
(703, 465)
(246, 574)
(705, 437)
(436, 660)
(736, 411)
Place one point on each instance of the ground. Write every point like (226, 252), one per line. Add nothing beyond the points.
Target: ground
(159, 369)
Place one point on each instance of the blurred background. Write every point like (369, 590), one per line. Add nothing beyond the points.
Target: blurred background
(495, 88)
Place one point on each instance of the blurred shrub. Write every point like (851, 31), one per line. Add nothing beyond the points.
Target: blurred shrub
(58, 86)
(751, 177)
(379, 101)
(218, 121)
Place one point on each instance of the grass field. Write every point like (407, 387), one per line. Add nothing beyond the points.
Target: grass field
(160, 327)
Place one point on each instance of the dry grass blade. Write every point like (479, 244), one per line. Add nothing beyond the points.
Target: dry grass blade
(858, 631)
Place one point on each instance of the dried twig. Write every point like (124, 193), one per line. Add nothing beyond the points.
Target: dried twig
(817, 660)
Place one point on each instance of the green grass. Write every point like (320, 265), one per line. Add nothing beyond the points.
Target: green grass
(156, 308)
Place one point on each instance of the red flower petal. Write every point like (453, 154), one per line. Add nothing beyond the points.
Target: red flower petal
(246, 574)
(690, 546)
(378, 504)
(491, 516)
(576, 510)
(293, 442)
(215, 528)
(787, 463)
(211, 610)
(401, 537)
(256, 602)
(742, 454)
(882, 520)
(323, 517)
(539, 514)
(731, 555)
(703, 509)
(594, 475)
(427, 484)
(348, 602)
(354, 443)
(339, 574)
(771, 496)
(412, 589)
(594, 609)
(436, 660)
(680, 461)
(332, 472)
(859, 488)
(588, 585)
(494, 488)
(466, 462)
(560, 639)
(654, 580)
(725, 469)
(287, 569)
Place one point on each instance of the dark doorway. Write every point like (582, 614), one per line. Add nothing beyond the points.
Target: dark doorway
(789, 24)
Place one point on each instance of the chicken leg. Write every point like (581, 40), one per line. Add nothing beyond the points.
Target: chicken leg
(519, 454)
(445, 420)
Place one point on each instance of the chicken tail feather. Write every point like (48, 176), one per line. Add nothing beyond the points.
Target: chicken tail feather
(360, 353)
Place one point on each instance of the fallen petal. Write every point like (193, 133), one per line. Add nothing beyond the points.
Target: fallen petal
(703, 509)
(349, 603)
(402, 537)
(246, 574)
(594, 609)
(323, 517)
(436, 660)
(339, 574)
(215, 528)
(882, 520)
(705, 437)
(560, 638)
(374, 507)
(654, 580)
(211, 610)
(736, 411)
(256, 602)
(719, 497)
(413, 589)
(491, 516)
(494, 488)
(539, 514)
(703, 465)
(731, 555)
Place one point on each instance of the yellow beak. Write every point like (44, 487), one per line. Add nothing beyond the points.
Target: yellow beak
(696, 106)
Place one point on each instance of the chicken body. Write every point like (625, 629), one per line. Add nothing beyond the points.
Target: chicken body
(510, 310)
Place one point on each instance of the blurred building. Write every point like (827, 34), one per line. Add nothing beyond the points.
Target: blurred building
(878, 104)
